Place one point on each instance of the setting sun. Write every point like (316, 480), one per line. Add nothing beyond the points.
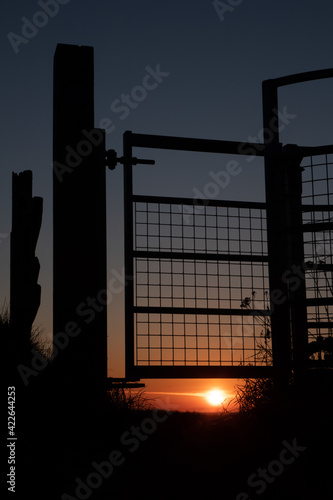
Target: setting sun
(215, 397)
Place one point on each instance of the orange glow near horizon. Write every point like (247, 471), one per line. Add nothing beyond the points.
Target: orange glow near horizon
(211, 398)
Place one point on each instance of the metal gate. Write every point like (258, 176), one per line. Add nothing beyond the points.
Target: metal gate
(299, 203)
(317, 206)
(192, 268)
(226, 288)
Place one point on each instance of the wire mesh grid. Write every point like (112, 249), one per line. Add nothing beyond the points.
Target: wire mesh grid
(200, 283)
(317, 196)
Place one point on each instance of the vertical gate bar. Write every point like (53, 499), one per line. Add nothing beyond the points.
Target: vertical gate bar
(128, 250)
(297, 292)
(276, 237)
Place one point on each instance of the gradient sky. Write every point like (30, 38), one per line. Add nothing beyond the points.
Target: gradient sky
(215, 65)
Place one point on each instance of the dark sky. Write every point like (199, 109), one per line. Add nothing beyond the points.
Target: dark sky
(213, 65)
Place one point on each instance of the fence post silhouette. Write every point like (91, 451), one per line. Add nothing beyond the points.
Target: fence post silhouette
(79, 226)
(276, 236)
(283, 178)
(25, 292)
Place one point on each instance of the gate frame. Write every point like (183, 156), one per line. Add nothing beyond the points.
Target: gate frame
(284, 238)
(285, 244)
(135, 372)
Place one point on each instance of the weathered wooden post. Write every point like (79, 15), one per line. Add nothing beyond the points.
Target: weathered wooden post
(79, 226)
(24, 265)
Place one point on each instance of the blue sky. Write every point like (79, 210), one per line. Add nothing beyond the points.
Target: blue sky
(215, 65)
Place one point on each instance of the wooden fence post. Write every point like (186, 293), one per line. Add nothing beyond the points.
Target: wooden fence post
(25, 292)
(79, 226)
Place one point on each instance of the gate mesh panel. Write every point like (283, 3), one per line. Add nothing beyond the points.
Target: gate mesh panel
(201, 283)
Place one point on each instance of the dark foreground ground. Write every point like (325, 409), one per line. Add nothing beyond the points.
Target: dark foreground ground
(282, 450)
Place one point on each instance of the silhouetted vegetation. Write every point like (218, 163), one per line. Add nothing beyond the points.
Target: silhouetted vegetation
(254, 393)
(4, 318)
(187, 455)
(133, 400)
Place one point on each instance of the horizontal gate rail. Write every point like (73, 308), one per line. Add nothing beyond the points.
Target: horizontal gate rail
(201, 310)
(320, 301)
(198, 145)
(316, 208)
(320, 324)
(317, 226)
(194, 371)
(139, 198)
(150, 254)
(300, 77)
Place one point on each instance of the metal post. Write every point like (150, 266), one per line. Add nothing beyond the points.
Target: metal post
(297, 288)
(277, 237)
(128, 249)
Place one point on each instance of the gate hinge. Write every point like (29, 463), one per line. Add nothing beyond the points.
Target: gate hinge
(111, 160)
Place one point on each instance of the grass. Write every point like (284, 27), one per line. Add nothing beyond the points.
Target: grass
(254, 393)
(4, 318)
(189, 455)
(36, 341)
(131, 400)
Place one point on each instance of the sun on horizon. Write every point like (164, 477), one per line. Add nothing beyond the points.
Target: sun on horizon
(215, 397)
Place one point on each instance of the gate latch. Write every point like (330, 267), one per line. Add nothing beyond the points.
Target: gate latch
(111, 160)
